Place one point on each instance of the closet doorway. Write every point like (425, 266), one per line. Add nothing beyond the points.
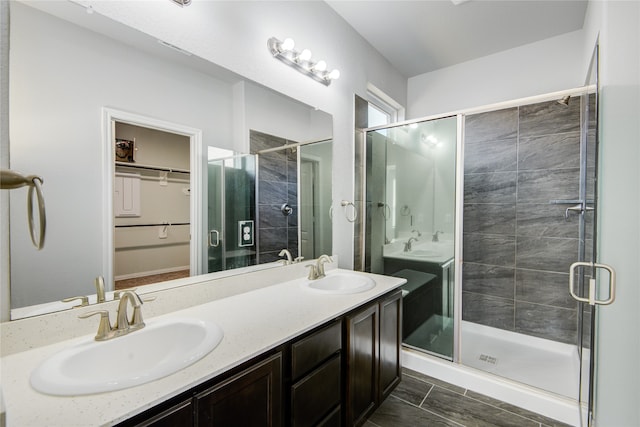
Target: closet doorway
(152, 210)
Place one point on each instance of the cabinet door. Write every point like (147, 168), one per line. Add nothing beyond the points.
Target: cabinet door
(362, 366)
(390, 344)
(251, 398)
(180, 415)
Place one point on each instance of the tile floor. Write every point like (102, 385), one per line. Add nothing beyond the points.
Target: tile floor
(420, 400)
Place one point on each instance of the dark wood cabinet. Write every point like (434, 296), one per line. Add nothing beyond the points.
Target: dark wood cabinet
(334, 375)
(362, 364)
(390, 344)
(316, 366)
(180, 415)
(373, 361)
(250, 398)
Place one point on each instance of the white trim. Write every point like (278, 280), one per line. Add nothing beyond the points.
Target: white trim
(108, 169)
(151, 272)
(389, 105)
(548, 404)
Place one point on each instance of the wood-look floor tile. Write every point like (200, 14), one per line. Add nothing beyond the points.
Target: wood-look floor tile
(396, 413)
(470, 412)
(545, 421)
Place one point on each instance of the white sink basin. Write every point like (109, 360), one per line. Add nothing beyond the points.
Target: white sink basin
(340, 282)
(159, 349)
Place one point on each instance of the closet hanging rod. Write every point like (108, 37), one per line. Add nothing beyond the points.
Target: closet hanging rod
(149, 167)
(169, 224)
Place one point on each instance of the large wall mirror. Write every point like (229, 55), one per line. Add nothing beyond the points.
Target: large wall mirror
(136, 142)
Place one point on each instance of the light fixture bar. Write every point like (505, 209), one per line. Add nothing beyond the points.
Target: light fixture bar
(301, 61)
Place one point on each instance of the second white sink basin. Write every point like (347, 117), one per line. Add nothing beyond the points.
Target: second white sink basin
(159, 349)
(340, 282)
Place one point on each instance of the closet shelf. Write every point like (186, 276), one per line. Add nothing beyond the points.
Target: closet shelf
(168, 224)
(150, 167)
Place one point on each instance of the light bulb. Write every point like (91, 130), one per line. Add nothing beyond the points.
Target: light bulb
(334, 75)
(305, 55)
(287, 45)
(320, 66)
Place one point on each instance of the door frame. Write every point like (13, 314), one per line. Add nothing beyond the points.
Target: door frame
(110, 115)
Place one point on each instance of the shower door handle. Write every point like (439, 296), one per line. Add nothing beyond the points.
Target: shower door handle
(579, 208)
(217, 243)
(592, 299)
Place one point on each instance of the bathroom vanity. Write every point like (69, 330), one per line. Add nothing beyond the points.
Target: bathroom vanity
(288, 357)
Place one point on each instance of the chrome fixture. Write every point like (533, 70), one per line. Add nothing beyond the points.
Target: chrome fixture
(316, 271)
(564, 100)
(182, 3)
(10, 180)
(301, 60)
(417, 232)
(124, 324)
(435, 238)
(289, 260)
(407, 245)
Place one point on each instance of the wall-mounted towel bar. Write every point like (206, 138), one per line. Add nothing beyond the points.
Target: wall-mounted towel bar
(10, 180)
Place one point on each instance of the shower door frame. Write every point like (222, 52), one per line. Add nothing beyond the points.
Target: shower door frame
(583, 402)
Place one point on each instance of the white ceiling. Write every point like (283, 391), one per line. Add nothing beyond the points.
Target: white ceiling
(418, 36)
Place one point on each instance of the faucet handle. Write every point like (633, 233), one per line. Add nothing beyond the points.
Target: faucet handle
(104, 327)
(298, 259)
(84, 301)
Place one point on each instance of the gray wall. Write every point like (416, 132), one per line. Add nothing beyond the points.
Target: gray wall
(517, 246)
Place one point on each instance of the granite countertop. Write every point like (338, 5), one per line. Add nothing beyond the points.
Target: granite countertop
(253, 323)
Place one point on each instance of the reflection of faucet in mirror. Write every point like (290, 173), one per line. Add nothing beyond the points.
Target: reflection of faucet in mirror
(407, 244)
(100, 296)
(435, 236)
(289, 259)
(417, 232)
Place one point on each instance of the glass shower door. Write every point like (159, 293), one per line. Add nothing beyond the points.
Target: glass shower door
(411, 181)
(215, 217)
(231, 227)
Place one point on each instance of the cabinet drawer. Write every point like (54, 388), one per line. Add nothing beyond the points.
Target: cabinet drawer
(309, 352)
(314, 396)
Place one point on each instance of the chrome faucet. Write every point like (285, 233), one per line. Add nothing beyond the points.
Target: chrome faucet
(407, 244)
(124, 324)
(435, 236)
(316, 271)
(289, 259)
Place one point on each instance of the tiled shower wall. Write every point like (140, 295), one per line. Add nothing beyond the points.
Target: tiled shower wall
(277, 185)
(517, 246)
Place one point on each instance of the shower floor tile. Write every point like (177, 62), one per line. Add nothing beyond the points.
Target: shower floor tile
(420, 400)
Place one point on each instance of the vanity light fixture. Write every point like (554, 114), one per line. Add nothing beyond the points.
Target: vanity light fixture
(301, 60)
(182, 2)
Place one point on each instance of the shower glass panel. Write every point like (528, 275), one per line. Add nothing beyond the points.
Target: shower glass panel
(315, 199)
(529, 176)
(231, 213)
(410, 193)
